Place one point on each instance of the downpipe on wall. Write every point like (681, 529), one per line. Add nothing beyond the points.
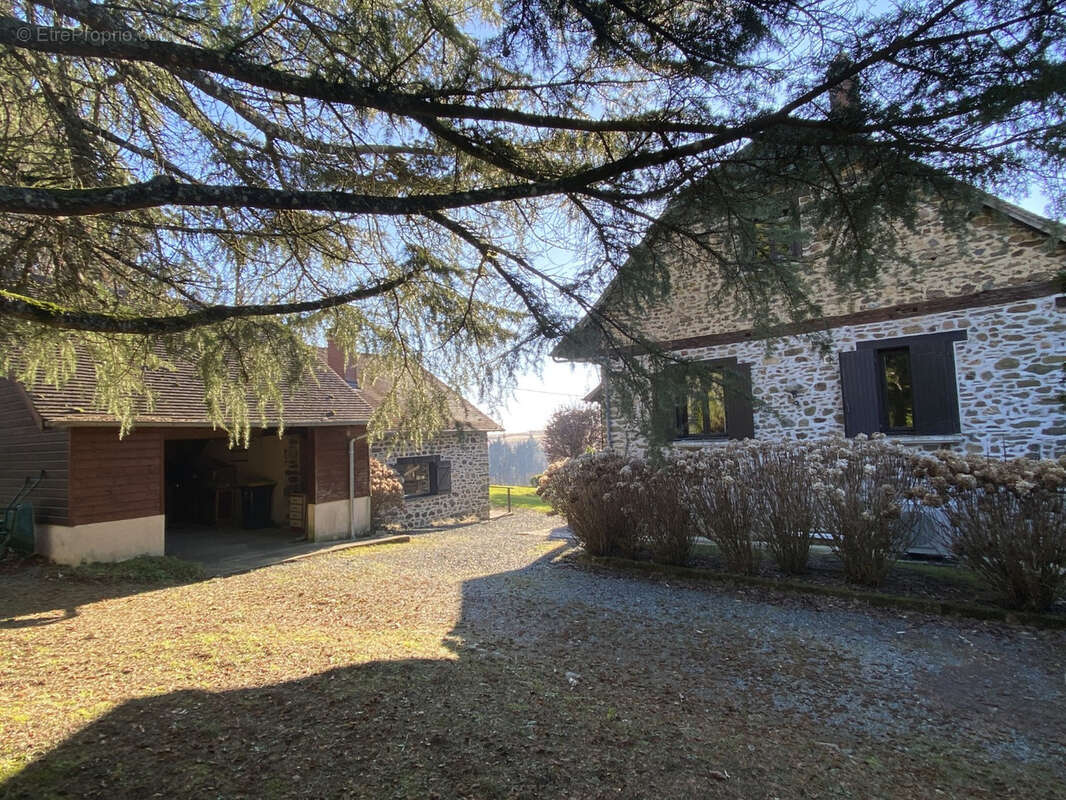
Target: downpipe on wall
(351, 488)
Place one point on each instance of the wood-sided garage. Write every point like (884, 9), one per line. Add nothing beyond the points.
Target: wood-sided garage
(106, 499)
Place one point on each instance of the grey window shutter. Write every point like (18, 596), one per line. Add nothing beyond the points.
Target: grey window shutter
(739, 412)
(444, 477)
(859, 386)
(680, 418)
(936, 399)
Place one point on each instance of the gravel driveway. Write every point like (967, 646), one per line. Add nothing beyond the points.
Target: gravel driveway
(553, 680)
(999, 689)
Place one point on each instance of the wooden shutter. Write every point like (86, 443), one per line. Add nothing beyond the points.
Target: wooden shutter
(859, 386)
(669, 412)
(936, 400)
(680, 419)
(739, 413)
(444, 477)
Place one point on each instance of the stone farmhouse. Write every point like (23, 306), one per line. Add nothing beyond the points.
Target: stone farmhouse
(962, 348)
(448, 475)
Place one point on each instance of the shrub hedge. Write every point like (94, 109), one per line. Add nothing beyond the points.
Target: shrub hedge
(1007, 519)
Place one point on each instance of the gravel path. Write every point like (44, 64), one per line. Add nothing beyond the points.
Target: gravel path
(849, 667)
(483, 662)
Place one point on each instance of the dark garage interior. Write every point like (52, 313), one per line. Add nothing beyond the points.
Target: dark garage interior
(223, 502)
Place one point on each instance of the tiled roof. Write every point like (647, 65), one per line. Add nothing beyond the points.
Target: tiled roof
(179, 400)
(465, 414)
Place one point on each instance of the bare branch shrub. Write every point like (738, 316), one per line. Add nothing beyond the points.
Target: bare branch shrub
(721, 502)
(573, 431)
(586, 491)
(386, 494)
(1008, 521)
(866, 485)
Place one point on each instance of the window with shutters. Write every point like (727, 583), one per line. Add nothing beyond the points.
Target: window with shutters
(423, 476)
(902, 386)
(716, 403)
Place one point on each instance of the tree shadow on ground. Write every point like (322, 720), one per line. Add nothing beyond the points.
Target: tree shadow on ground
(501, 718)
(35, 593)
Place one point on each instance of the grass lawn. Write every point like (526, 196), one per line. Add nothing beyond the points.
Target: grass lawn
(521, 497)
(467, 664)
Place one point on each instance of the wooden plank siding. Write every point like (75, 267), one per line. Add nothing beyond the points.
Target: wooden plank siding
(26, 449)
(327, 479)
(114, 479)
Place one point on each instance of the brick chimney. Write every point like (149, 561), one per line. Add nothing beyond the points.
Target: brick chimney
(335, 359)
(843, 87)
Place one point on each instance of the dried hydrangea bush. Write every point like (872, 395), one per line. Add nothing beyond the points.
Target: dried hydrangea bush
(866, 485)
(656, 509)
(1007, 518)
(718, 490)
(386, 494)
(784, 478)
(586, 490)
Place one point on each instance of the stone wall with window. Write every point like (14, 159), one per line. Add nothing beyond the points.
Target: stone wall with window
(447, 477)
(987, 379)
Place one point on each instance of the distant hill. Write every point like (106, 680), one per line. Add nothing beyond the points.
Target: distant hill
(514, 458)
(514, 437)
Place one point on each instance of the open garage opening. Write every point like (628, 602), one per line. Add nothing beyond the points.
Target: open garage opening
(221, 501)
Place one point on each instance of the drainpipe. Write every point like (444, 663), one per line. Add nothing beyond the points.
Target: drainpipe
(606, 407)
(351, 488)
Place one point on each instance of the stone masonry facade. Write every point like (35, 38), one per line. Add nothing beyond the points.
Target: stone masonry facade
(468, 453)
(1009, 370)
(1009, 374)
(991, 251)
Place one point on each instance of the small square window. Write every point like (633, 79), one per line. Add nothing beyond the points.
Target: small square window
(772, 236)
(415, 476)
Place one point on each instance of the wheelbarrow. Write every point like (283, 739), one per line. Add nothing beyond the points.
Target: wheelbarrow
(16, 522)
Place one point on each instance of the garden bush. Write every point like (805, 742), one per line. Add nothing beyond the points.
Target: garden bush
(586, 491)
(550, 486)
(721, 502)
(653, 502)
(1007, 518)
(1008, 521)
(783, 478)
(386, 494)
(865, 486)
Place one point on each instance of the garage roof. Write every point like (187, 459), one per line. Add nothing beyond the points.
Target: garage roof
(465, 415)
(179, 401)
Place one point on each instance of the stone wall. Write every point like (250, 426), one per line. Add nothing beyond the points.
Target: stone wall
(468, 452)
(991, 251)
(1009, 373)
